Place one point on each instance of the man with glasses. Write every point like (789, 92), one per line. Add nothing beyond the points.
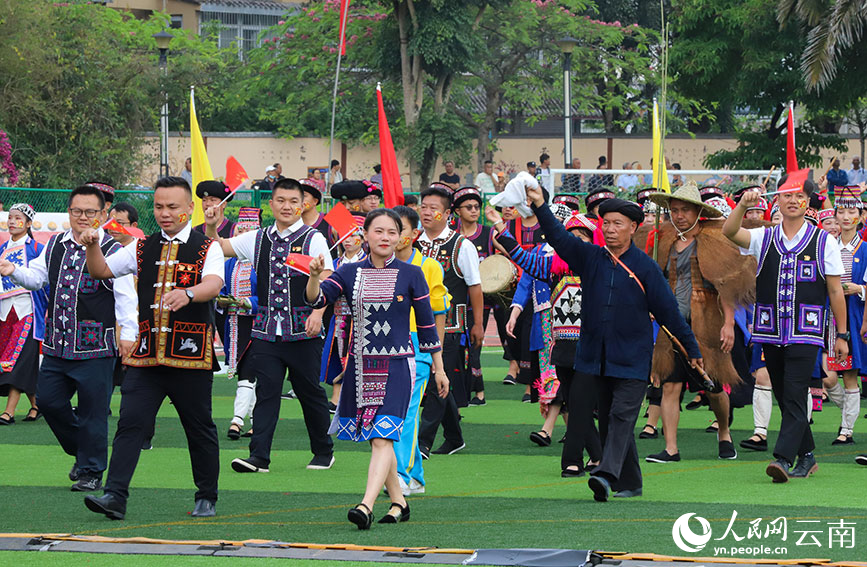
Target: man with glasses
(467, 205)
(460, 262)
(126, 216)
(80, 346)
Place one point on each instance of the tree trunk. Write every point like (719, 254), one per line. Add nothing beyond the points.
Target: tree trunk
(485, 133)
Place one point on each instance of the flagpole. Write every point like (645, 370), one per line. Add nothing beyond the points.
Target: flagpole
(334, 96)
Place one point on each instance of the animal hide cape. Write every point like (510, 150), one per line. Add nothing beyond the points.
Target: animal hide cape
(733, 275)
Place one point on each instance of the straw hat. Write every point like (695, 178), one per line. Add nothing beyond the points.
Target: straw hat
(688, 193)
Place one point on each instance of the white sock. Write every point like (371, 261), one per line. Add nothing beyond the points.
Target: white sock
(245, 399)
(835, 394)
(851, 409)
(762, 404)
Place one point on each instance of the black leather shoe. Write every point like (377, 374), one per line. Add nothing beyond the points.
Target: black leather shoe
(74, 473)
(778, 470)
(361, 518)
(390, 519)
(600, 487)
(109, 505)
(87, 484)
(204, 509)
(805, 467)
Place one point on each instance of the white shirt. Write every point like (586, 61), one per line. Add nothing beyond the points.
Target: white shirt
(546, 179)
(244, 246)
(856, 176)
(124, 261)
(338, 177)
(35, 275)
(833, 261)
(23, 302)
(485, 182)
(468, 257)
(627, 181)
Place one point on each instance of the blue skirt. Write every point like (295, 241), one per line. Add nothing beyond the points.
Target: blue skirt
(389, 418)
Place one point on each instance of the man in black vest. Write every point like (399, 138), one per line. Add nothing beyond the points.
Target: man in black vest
(460, 263)
(79, 347)
(287, 333)
(179, 272)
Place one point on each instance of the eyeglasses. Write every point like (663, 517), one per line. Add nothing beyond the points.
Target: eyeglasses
(123, 223)
(89, 213)
(471, 207)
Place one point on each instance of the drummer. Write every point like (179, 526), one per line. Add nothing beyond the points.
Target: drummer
(466, 209)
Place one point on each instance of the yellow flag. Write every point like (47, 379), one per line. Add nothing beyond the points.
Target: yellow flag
(201, 165)
(660, 174)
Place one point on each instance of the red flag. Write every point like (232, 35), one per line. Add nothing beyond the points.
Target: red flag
(392, 189)
(299, 262)
(115, 226)
(791, 159)
(235, 174)
(136, 232)
(341, 220)
(344, 14)
(794, 181)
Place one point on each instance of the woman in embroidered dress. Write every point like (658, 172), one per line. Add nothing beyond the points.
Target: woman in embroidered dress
(22, 319)
(378, 381)
(335, 352)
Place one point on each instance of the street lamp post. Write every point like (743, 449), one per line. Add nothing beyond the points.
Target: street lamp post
(163, 39)
(567, 45)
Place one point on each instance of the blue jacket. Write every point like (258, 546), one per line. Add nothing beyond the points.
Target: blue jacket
(837, 178)
(616, 330)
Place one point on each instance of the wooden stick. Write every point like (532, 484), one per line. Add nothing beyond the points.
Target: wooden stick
(768, 178)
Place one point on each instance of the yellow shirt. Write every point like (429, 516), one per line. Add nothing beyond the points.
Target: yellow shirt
(440, 299)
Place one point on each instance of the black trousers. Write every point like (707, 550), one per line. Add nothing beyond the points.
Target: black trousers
(619, 404)
(790, 368)
(579, 393)
(443, 410)
(302, 359)
(474, 357)
(142, 393)
(82, 434)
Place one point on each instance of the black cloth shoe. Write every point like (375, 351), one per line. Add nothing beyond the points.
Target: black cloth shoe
(449, 448)
(425, 452)
(847, 441)
(805, 467)
(600, 487)
(663, 457)
(250, 464)
(111, 506)
(727, 450)
(861, 460)
(631, 493)
(695, 404)
(234, 432)
(204, 509)
(87, 484)
(645, 434)
(6, 419)
(509, 380)
(477, 401)
(526, 399)
(74, 473)
(361, 518)
(755, 443)
(290, 395)
(332, 408)
(147, 444)
(712, 428)
(321, 462)
(32, 415)
(778, 470)
(541, 438)
(571, 473)
(404, 514)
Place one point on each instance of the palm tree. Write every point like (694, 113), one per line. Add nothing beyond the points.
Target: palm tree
(833, 27)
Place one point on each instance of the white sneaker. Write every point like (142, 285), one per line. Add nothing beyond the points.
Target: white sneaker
(415, 487)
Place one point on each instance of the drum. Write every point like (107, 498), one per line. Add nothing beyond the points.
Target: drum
(499, 275)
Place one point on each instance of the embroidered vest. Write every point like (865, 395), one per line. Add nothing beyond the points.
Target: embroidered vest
(280, 288)
(179, 339)
(566, 308)
(446, 253)
(80, 322)
(790, 290)
(482, 241)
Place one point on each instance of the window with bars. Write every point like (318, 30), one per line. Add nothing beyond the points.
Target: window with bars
(238, 28)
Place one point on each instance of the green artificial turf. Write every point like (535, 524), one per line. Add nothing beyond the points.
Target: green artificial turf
(501, 491)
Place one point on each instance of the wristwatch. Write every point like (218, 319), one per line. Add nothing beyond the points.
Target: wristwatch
(845, 336)
(190, 294)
